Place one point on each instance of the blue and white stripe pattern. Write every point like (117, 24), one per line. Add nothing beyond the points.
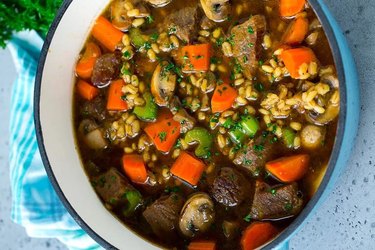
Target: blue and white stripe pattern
(35, 204)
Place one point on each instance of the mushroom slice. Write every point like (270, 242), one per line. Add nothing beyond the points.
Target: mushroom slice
(331, 112)
(120, 19)
(158, 3)
(216, 10)
(163, 84)
(197, 215)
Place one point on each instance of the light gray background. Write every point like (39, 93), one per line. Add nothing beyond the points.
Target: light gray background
(347, 218)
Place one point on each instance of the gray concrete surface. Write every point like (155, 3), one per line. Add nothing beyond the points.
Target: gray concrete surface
(347, 218)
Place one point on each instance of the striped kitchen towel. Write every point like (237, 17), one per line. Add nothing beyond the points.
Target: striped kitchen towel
(35, 204)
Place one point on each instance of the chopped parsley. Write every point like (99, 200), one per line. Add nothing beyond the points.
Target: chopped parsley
(247, 218)
(154, 37)
(250, 30)
(220, 41)
(174, 189)
(288, 207)
(250, 45)
(259, 86)
(258, 148)
(231, 39)
(126, 54)
(162, 136)
(150, 19)
(172, 30)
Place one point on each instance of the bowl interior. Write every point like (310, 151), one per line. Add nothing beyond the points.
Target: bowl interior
(59, 152)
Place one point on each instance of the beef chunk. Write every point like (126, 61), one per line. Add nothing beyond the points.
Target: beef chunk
(230, 187)
(247, 39)
(183, 22)
(275, 203)
(107, 68)
(112, 187)
(163, 214)
(255, 155)
(96, 108)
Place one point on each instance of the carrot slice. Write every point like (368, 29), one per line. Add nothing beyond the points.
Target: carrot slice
(288, 169)
(296, 31)
(196, 57)
(86, 90)
(202, 245)
(134, 167)
(86, 63)
(294, 58)
(223, 98)
(115, 101)
(256, 234)
(164, 132)
(188, 168)
(106, 33)
(290, 8)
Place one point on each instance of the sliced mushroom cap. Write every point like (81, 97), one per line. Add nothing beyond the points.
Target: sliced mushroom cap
(331, 80)
(197, 215)
(159, 3)
(331, 112)
(120, 19)
(163, 84)
(216, 10)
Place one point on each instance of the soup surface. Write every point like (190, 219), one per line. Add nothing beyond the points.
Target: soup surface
(206, 124)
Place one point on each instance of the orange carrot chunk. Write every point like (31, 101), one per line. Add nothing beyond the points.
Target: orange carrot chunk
(294, 58)
(134, 168)
(86, 63)
(106, 33)
(223, 98)
(164, 131)
(86, 90)
(257, 234)
(115, 101)
(290, 8)
(296, 31)
(202, 245)
(188, 168)
(196, 57)
(289, 169)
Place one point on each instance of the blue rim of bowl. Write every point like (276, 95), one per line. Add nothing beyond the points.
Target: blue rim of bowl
(297, 222)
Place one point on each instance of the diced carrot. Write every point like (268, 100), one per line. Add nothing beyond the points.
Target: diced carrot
(294, 58)
(188, 168)
(164, 131)
(106, 33)
(202, 245)
(115, 101)
(134, 168)
(290, 8)
(86, 63)
(296, 31)
(223, 98)
(257, 234)
(86, 90)
(196, 57)
(288, 169)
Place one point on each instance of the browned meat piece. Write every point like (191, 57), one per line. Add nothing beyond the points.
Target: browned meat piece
(96, 108)
(112, 187)
(255, 155)
(183, 22)
(275, 203)
(230, 187)
(180, 115)
(163, 215)
(247, 40)
(106, 68)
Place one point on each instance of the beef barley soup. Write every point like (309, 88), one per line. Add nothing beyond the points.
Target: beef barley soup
(206, 124)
